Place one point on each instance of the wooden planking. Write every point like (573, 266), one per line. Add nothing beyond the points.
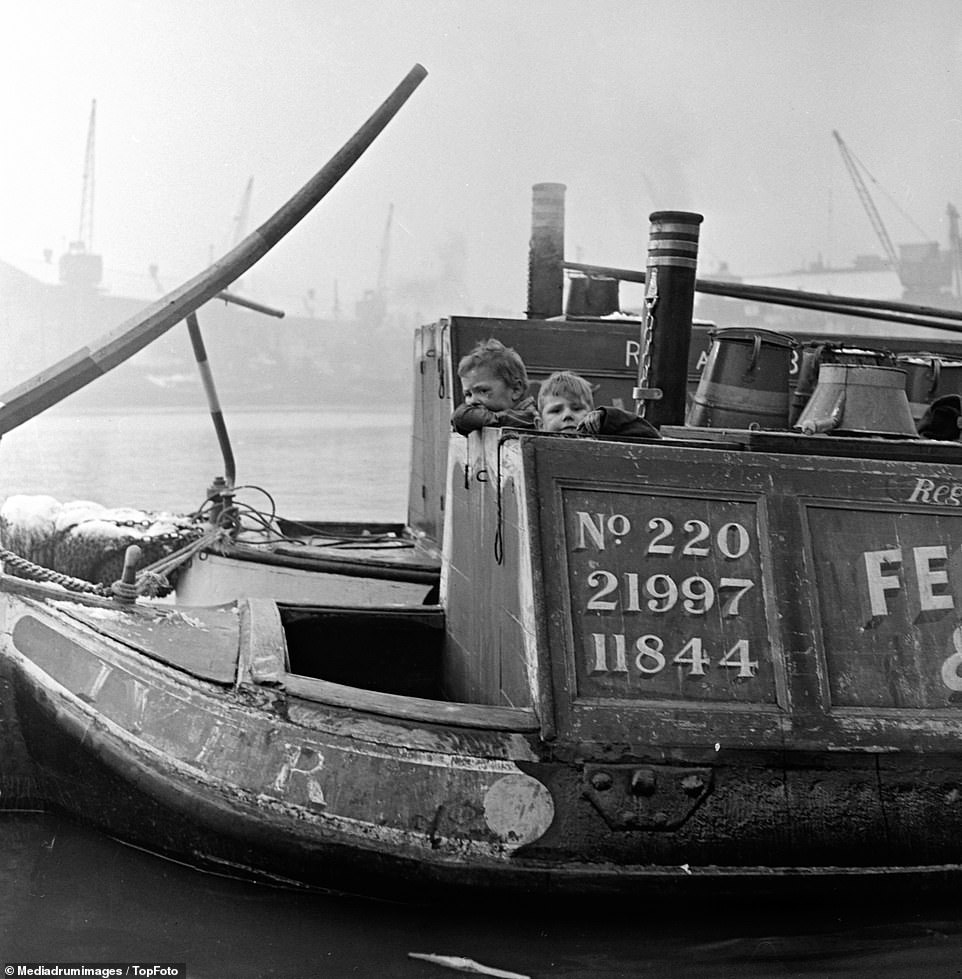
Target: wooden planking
(431, 427)
(898, 643)
(263, 648)
(469, 715)
(484, 659)
(852, 616)
(203, 642)
(605, 352)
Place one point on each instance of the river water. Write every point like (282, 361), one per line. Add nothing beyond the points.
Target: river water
(71, 895)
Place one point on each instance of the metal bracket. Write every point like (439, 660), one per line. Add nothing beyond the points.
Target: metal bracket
(648, 797)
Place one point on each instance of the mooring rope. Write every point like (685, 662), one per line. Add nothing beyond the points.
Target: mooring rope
(37, 572)
(152, 578)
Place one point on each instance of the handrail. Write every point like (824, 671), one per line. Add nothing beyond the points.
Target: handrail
(88, 363)
(908, 314)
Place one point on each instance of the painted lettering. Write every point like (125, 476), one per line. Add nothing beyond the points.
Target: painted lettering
(210, 743)
(693, 594)
(102, 676)
(600, 644)
(304, 762)
(595, 530)
(606, 583)
(925, 576)
(652, 656)
(737, 658)
(929, 578)
(950, 668)
(877, 582)
(632, 351)
(595, 525)
(938, 494)
(732, 540)
(923, 490)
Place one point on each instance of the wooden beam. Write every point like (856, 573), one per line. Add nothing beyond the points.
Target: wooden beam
(88, 363)
(908, 314)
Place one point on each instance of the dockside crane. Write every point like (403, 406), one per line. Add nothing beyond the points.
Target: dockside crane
(241, 219)
(79, 266)
(385, 253)
(242, 216)
(866, 198)
(955, 248)
(372, 308)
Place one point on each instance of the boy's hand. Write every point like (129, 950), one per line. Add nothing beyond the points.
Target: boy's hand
(592, 422)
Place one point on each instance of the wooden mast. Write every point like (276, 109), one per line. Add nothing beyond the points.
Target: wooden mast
(88, 363)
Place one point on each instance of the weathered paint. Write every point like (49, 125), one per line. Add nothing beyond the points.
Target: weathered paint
(813, 730)
(311, 575)
(438, 800)
(518, 808)
(751, 599)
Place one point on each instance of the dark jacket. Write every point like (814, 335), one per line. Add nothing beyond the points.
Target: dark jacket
(942, 419)
(469, 418)
(618, 422)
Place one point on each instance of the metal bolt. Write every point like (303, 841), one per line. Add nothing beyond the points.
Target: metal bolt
(692, 784)
(643, 781)
(602, 781)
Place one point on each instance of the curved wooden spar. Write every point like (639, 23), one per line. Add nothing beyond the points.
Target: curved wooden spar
(85, 365)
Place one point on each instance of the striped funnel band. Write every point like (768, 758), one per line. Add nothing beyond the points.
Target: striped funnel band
(673, 239)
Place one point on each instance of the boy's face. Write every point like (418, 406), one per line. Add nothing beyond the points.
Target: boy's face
(561, 413)
(483, 387)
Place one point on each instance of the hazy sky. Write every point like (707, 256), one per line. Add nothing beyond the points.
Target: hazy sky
(725, 107)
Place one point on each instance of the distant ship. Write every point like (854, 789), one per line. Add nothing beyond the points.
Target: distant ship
(297, 360)
(300, 360)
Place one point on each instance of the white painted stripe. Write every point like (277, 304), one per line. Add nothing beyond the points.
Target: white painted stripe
(666, 260)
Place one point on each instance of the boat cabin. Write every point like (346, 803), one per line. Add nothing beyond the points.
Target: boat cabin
(709, 578)
(731, 652)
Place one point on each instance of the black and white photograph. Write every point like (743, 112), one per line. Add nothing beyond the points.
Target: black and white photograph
(481, 489)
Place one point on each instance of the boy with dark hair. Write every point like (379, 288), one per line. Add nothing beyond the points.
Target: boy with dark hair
(495, 384)
(566, 404)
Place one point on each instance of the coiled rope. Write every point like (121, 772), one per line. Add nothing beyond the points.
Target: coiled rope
(36, 572)
(151, 580)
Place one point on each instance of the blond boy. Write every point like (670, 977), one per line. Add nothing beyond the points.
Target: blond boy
(495, 384)
(566, 404)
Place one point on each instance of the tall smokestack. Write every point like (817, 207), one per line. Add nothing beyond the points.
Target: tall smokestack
(669, 303)
(546, 252)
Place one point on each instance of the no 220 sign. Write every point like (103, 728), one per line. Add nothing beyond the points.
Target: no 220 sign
(666, 597)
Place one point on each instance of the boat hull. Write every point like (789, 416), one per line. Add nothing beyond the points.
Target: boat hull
(252, 778)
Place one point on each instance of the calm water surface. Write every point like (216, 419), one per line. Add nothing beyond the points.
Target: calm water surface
(349, 464)
(68, 894)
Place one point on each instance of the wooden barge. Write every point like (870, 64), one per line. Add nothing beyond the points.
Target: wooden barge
(725, 661)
